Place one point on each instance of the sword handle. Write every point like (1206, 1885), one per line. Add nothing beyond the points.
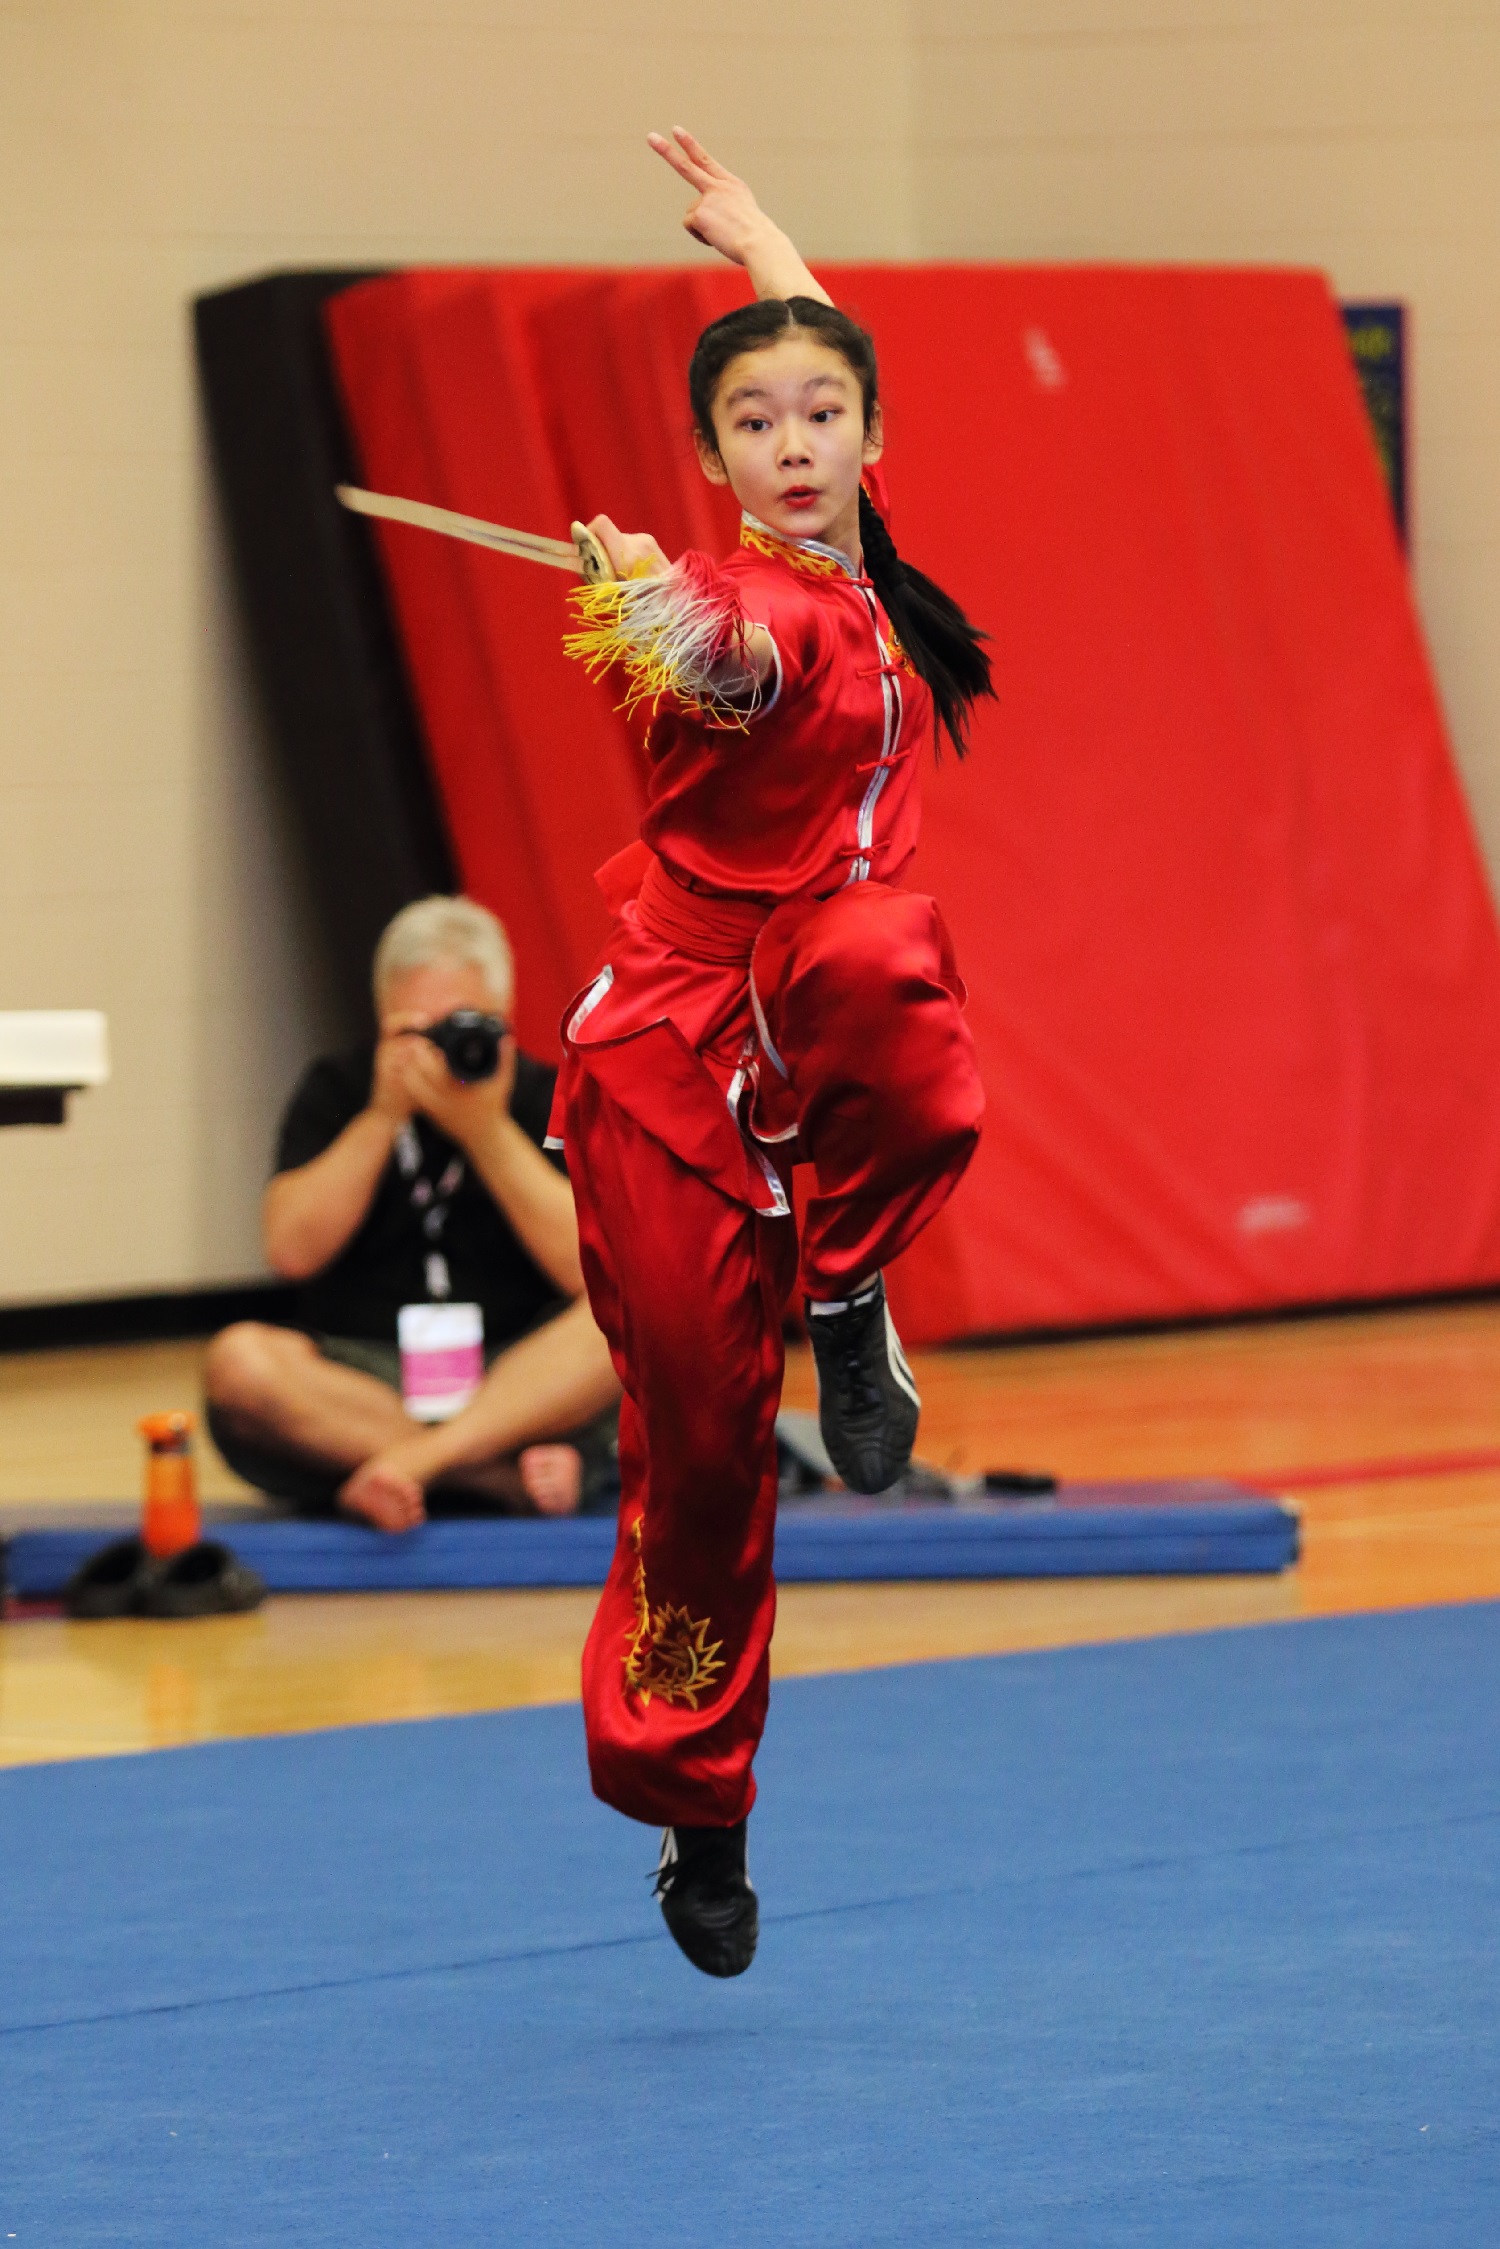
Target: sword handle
(592, 559)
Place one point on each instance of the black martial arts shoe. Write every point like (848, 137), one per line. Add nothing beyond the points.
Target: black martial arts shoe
(706, 1898)
(867, 1401)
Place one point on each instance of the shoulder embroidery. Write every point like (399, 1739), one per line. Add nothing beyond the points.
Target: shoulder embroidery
(796, 558)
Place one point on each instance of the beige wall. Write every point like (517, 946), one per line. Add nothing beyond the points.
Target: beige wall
(148, 151)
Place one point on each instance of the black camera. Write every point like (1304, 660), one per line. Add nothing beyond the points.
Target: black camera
(469, 1043)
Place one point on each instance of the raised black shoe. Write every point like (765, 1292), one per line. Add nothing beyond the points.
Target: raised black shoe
(706, 1898)
(868, 1405)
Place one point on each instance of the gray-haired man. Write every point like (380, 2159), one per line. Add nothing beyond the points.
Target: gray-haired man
(396, 1184)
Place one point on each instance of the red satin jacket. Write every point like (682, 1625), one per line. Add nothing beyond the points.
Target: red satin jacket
(821, 787)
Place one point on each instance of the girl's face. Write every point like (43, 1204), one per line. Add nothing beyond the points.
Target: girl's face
(789, 421)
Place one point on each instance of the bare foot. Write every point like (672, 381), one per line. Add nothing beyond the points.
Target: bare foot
(385, 1496)
(552, 1478)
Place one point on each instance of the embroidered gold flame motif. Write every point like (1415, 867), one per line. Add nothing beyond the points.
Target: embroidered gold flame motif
(784, 550)
(670, 1653)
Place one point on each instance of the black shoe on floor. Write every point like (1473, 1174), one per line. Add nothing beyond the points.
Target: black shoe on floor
(706, 1898)
(112, 1582)
(867, 1401)
(203, 1580)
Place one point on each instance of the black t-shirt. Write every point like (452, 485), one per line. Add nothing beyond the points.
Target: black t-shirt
(385, 1264)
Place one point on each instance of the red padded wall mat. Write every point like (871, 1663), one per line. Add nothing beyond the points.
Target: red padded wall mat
(532, 768)
(1233, 965)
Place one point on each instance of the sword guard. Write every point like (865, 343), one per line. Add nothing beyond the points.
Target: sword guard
(592, 559)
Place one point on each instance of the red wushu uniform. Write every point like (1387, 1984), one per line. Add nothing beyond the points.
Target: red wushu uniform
(769, 996)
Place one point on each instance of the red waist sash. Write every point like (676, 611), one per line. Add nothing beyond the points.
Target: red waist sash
(705, 927)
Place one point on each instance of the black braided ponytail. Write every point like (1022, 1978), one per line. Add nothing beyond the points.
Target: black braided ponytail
(943, 648)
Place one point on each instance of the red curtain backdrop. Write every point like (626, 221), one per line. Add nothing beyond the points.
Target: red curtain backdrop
(1232, 960)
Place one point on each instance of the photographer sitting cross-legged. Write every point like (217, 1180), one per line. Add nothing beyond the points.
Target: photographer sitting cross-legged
(397, 1183)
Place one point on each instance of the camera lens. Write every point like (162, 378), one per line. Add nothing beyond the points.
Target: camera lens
(469, 1043)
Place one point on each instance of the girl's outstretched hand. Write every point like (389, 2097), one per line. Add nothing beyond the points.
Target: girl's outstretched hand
(726, 215)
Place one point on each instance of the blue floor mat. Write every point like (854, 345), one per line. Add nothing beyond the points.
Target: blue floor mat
(1199, 1526)
(1188, 1942)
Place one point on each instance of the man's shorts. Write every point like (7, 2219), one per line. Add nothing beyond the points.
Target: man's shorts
(309, 1490)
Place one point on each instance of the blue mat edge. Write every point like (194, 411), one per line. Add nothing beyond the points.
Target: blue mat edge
(1247, 1536)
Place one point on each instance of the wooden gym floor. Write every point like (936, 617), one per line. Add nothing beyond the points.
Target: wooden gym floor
(1385, 1429)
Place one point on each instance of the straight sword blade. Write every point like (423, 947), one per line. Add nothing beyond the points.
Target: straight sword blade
(581, 554)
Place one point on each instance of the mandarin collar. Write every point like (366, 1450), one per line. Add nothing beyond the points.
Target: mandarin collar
(804, 546)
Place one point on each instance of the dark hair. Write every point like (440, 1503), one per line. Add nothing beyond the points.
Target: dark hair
(943, 647)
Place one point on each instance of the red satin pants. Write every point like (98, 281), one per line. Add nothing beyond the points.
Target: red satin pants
(861, 1046)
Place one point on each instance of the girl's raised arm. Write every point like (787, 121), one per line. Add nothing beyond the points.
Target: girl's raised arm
(727, 217)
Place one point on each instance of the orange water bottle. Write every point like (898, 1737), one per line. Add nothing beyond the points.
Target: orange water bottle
(170, 1519)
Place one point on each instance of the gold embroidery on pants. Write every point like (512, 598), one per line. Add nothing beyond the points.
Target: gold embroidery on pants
(670, 1653)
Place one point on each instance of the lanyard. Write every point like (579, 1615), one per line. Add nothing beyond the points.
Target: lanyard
(431, 1198)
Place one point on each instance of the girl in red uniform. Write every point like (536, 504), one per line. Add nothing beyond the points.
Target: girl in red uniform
(770, 995)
